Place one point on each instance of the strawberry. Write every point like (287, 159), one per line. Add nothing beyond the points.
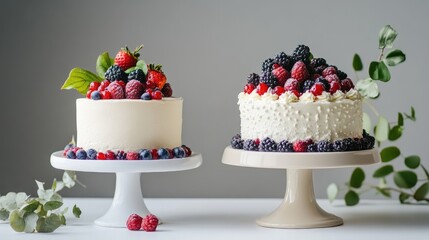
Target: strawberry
(126, 59)
(281, 74)
(155, 74)
(299, 71)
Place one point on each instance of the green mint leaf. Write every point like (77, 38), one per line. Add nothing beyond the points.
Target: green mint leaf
(366, 122)
(30, 222)
(357, 178)
(405, 179)
(383, 171)
(4, 214)
(382, 129)
(16, 221)
(357, 63)
(351, 198)
(48, 224)
(80, 79)
(103, 63)
(403, 197)
(76, 211)
(52, 205)
(412, 161)
(389, 153)
(400, 119)
(130, 70)
(332, 192)
(422, 191)
(368, 88)
(394, 58)
(386, 37)
(395, 133)
(379, 71)
(141, 64)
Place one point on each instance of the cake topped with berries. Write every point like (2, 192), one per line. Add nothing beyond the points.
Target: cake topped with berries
(128, 113)
(300, 103)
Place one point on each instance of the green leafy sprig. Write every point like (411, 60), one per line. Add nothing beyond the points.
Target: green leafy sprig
(409, 187)
(43, 214)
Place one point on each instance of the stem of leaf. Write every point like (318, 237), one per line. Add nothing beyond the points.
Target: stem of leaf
(372, 108)
(381, 55)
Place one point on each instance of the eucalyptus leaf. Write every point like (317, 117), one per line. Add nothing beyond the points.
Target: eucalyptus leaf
(395, 132)
(52, 205)
(69, 179)
(382, 129)
(30, 223)
(394, 57)
(59, 186)
(386, 37)
(48, 224)
(400, 119)
(76, 211)
(8, 201)
(384, 192)
(45, 195)
(412, 161)
(80, 79)
(31, 206)
(357, 178)
(20, 199)
(405, 179)
(103, 63)
(4, 214)
(379, 71)
(332, 192)
(383, 171)
(366, 122)
(351, 198)
(421, 192)
(16, 221)
(40, 185)
(403, 197)
(368, 88)
(389, 153)
(357, 63)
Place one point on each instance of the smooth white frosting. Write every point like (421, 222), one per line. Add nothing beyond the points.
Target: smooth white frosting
(324, 117)
(128, 125)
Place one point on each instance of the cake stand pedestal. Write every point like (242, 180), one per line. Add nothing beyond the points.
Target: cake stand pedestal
(128, 198)
(299, 208)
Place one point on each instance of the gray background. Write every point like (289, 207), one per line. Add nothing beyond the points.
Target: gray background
(207, 49)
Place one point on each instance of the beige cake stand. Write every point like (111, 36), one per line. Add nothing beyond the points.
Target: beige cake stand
(299, 208)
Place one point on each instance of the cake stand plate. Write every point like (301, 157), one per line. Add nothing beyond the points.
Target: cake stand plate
(128, 197)
(299, 208)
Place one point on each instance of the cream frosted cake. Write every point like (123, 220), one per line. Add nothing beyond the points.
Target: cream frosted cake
(129, 112)
(300, 104)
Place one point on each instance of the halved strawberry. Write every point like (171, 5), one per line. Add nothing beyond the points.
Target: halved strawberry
(127, 59)
(156, 75)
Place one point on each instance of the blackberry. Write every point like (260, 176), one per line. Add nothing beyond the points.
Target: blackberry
(250, 145)
(371, 142)
(325, 83)
(115, 72)
(316, 62)
(320, 69)
(341, 75)
(365, 134)
(306, 85)
(350, 144)
(339, 146)
(253, 78)
(284, 60)
(269, 79)
(268, 145)
(121, 155)
(285, 146)
(137, 74)
(236, 142)
(359, 145)
(312, 147)
(364, 144)
(324, 146)
(267, 65)
(302, 53)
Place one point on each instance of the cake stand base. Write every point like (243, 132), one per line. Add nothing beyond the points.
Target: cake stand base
(299, 208)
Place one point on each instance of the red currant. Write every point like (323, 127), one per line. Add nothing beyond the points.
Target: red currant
(262, 88)
(104, 84)
(248, 88)
(101, 156)
(156, 95)
(88, 94)
(94, 86)
(317, 89)
(279, 90)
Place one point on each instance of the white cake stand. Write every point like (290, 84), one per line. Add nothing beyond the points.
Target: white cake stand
(299, 208)
(128, 197)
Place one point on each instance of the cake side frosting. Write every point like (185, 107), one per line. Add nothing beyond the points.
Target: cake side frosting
(129, 125)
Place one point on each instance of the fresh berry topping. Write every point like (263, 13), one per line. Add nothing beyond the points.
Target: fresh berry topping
(163, 153)
(269, 79)
(284, 60)
(94, 86)
(334, 86)
(339, 146)
(134, 222)
(251, 145)
(170, 153)
(307, 85)
(154, 153)
(122, 83)
(262, 88)
(253, 78)
(167, 91)
(328, 71)
(88, 94)
(291, 84)
(156, 75)
(299, 71)
(137, 74)
(296, 93)
(132, 155)
(71, 154)
(325, 83)
(188, 151)
(179, 152)
(106, 95)
(267, 65)
(302, 53)
(145, 154)
(91, 154)
(71, 145)
(110, 155)
(133, 89)
(279, 90)
(351, 144)
(320, 69)
(81, 154)
(268, 145)
(237, 142)
(315, 76)
(341, 75)
(284, 146)
(103, 85)
(121, 155)
(312, 147)
(127, 59)
(95, 95)
(300, 146)
(149, 223)
(281, 74)
(150, 85)
(324, 146)
(146, 96)
(116, 90)
(332, 78)
(156, 95)
(317, 62)
(276, 65)
(248, 88)
(101, 156)
(346, 85)
(114, 72)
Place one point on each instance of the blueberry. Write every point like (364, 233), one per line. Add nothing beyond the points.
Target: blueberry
(68, 146)
(96, 95)
(91, 154)
(81, 154)
(179, 152)
(70, 154)
(146, 96)
(163, 153)
(145, 154)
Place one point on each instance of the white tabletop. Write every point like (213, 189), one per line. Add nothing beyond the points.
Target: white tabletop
(235, 219)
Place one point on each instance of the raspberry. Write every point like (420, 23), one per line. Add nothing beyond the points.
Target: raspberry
(307, 85)
(300, 146)
(134, 222)
(94, 86)
(285, 146)
(188, 151)
(106, 95)
(324, 146)
(103, 85)
(156, 95)
(154, 154)
(132, 155)
(237, 142)
(334, 86)
(281, 74)
(332, 77)
(279, 90)
(268, 145)
(101, 156)
(299, 71)
(88, 94)
(167, 91)
(133, 89)
(262, 88)
(250, 145)
(116, 90)
(291, 84)
(110, 155)
(328, 71)
(149, 223)
(248, 88)
(253, 78)
(346, 85)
